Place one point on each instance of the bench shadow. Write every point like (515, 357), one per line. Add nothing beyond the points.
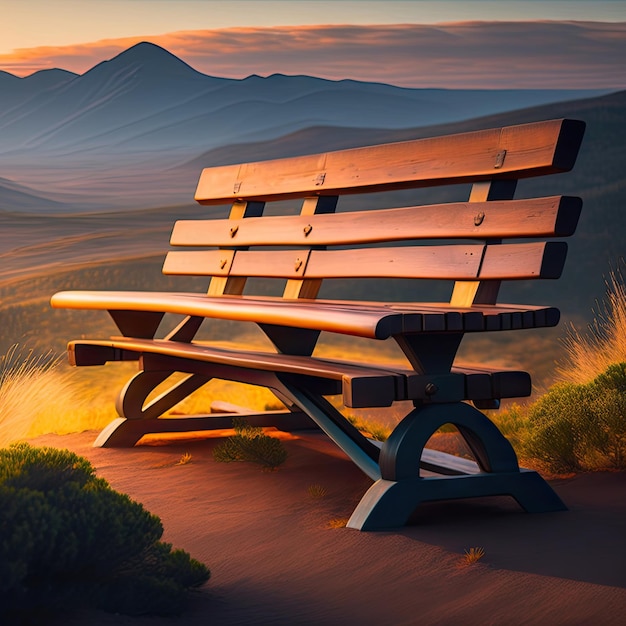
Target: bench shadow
(587, 543)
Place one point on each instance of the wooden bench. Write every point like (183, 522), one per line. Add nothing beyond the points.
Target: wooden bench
(474, 244)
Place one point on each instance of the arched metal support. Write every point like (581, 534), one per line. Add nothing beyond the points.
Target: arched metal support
(391, 500)
(400, 454)
(137, 418)
(131, 401)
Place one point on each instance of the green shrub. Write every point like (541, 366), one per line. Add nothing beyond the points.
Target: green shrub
(581, 426)
(250, 443)
(68, 539)
(374, 429)
(512, 423)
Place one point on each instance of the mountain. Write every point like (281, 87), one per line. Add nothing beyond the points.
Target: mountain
(146, 104)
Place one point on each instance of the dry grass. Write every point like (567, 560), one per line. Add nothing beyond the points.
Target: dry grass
(317, 491)
(589, 354)
(337, 522)
(33, 389)
(473, 555)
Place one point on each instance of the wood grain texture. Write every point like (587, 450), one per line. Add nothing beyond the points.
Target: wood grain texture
(555, 216)
(445, 262)
(451, 262)
(464, 382)
(375, 320)
(362, 385)
(222, 284)
(524, 261)
(512, 152)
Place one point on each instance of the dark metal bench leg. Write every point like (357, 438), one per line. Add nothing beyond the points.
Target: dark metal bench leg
(391, 500)
(363, 453)
(137, 418)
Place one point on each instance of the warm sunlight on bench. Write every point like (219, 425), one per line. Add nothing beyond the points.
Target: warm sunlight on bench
(474, 244)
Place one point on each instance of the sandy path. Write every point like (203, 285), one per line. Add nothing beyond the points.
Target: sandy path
(274, 560)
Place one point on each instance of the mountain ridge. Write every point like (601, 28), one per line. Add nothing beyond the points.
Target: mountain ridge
(148, 86)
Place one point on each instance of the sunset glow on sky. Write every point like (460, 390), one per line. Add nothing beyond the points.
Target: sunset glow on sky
(414, 43)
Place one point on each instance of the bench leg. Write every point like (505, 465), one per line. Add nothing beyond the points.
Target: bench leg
(136, 418)
(363, 453)
(139, 418)
(391, 500)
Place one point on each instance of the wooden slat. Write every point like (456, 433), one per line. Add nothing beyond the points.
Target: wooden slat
(512, 152)
(444, 262)
(364, 386)
(535, 217)
(453, 262)
(363, 322)
(448, 262)
(500, 383)
(363, 319)
(379, 385)
(524, 260)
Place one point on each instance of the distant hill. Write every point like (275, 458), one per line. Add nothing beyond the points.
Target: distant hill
(117, 125)
(17, 197)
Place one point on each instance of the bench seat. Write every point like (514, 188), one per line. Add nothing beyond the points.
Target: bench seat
(372, 320)
(361, 386)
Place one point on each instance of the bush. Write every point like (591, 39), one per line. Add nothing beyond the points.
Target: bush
(581, 426)
(68, 539)
(249, 443)
(512, 423)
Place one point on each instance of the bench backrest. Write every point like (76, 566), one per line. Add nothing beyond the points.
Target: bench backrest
(296, 247)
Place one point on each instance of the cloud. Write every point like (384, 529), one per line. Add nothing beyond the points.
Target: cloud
(453, 55)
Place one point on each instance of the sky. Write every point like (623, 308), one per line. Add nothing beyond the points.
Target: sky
(412, 43)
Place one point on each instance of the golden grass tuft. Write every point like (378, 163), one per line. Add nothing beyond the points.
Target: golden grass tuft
(184, 459)
(33, 390)
(473, 555)
(317, 491)
(337, 522)
(589, 354)
(370, 427)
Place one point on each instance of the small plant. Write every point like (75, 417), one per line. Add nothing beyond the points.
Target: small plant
(184, 459)
(317, 491)
(473, 555)
(370, 427)
(250, 443)
(337, 522)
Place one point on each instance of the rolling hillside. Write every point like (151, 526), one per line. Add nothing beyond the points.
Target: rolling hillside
(110, 137)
